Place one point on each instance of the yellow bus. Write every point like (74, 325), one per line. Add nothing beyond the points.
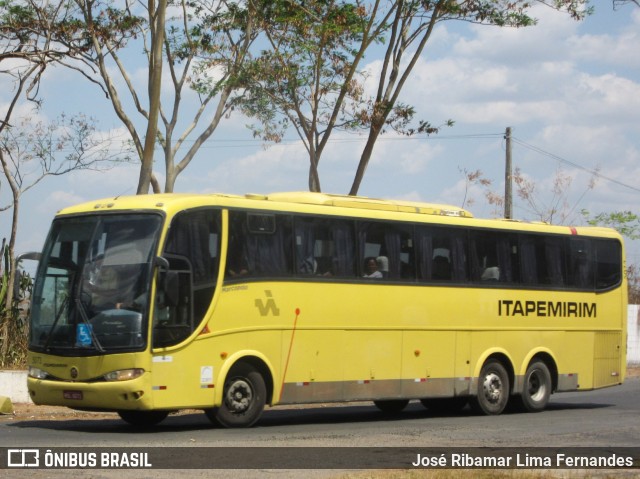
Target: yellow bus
(146, 305)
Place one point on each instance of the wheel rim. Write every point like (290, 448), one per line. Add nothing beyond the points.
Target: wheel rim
(536, 386)
(492, 388)
(239, 396)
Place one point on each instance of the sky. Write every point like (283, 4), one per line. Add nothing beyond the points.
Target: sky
(570, 91)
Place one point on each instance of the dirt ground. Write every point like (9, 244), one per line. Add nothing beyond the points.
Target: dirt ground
(29, 411)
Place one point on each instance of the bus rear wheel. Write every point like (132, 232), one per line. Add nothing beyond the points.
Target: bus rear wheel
(143, 418)
(493, 389)
(391, 405)
(537, 387)
(243, 400)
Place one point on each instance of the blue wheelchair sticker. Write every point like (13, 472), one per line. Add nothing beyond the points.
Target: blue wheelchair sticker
(83, 335)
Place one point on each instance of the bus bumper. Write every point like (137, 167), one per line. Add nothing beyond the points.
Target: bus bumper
(104, 396)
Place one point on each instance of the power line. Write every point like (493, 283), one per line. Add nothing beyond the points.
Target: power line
(595, 173)
(214, 143)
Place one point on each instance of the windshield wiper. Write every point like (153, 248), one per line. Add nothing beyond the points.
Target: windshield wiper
(86, 321)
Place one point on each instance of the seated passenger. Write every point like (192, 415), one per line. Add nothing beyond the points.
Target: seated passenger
(491, 273)
(371, 268)
(104, 288)
(383, 265)
(308, 266)
(236, 265)
(441, 268)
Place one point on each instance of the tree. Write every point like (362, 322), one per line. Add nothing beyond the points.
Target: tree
(205, 45)
(308, 77)
(29, 153)
(478, 179)
(554, 206)
(633, 282)
(625, 222)
(547, 204)
(34, 35)
(413, 23)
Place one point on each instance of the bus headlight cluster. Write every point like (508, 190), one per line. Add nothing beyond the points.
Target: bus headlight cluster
(124, 374)
(37, 373)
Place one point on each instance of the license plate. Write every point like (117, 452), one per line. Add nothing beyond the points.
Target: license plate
(76, 395)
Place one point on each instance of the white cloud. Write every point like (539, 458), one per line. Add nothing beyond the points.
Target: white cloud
(62, 199)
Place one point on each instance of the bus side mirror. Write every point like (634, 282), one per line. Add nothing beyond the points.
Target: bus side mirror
(34, 255)
(168, 284)
(17, 277)
(162, 263)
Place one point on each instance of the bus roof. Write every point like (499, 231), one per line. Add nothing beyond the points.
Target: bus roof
(362, 202)
(173, 202)
(307, 198)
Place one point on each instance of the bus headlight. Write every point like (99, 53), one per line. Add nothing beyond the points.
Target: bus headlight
(124, 375)
(37, 373)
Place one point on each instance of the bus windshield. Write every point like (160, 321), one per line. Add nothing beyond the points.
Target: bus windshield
(91, 292)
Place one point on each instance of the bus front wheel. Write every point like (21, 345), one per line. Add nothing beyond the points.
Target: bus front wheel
(244, 398)
(493, 389)
(537, 387)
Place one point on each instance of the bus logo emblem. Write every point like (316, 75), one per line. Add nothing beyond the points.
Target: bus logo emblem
(264, 308)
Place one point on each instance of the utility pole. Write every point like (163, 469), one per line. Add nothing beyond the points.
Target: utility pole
(508, 193)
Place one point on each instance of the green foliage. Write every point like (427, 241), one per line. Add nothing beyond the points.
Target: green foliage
(13, 319)
(307, 67)
(308, 76)
(626, 223)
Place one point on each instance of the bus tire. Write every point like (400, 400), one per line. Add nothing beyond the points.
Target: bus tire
(143, 418)
(391, 406)
(536, 390)
(243, 398)
(493, 389)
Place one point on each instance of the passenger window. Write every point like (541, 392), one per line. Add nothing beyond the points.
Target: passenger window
(580, 264)
(608, 263)
(259, 245)
(491, 257)
(441, 254)
(390, 246)
(541, 260)
(324, 247)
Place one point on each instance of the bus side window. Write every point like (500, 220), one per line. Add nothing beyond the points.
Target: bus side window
(608, 263)
(193, 252)
(542, 260)
(491, 257)
(581, 273)
(324, 247)
(441, 268)
(259, 245)
(305, 246)
(392, 247)
(441, 254)
(237, 264)
(173, 316)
